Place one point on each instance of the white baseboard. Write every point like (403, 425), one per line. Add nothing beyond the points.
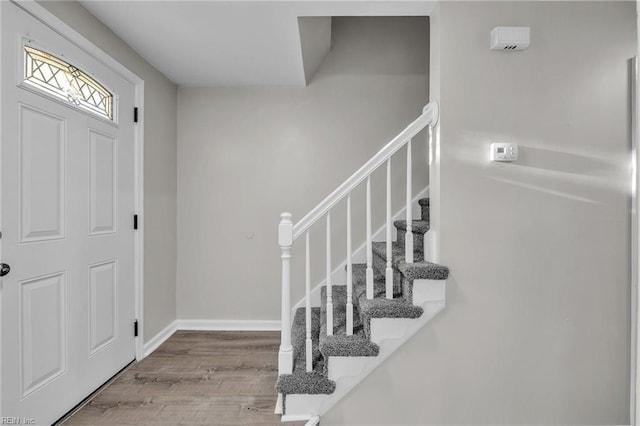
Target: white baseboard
(296, 417)
(313, 421)
(159, 339)
(229, 325)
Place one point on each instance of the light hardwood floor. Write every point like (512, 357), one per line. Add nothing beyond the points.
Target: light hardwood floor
(194, 378)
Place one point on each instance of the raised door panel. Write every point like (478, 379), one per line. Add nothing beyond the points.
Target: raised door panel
(103, 278)
(102, 183)
(42, 331)
(42, 175)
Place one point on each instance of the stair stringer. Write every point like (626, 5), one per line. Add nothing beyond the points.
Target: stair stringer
(338, 275)
(349, 371)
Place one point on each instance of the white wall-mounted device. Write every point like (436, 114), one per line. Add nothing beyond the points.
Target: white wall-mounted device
(504, 152)
(510, 38)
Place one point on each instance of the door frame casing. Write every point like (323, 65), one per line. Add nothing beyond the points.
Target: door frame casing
(634, 402)
(56, 24)
(634, 406)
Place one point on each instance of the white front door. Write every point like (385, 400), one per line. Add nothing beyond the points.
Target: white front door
(67, 205)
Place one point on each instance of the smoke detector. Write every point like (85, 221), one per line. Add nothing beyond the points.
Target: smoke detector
(510, 38)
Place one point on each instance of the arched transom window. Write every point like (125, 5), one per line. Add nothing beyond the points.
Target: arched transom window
(63, 80)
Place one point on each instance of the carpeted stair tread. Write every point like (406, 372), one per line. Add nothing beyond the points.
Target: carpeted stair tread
(416, 270)
(393, 308)
(301, 381)
(397, 250)
(423, 270)
(313, 383)
(379, 306)
(417, 226)
(379, 286)
(339, 344)
(380, 266)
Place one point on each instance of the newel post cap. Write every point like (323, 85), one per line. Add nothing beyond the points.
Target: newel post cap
(285, 230)
(285, 217)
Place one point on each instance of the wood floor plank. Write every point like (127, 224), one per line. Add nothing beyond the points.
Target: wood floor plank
(195, 378)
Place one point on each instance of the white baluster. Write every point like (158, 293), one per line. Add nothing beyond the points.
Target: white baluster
(369, 246)
(408, 239)
(309, 347)
(389, 271)
(329, 289)
(425, 248)
(349, 271)
(285, 240)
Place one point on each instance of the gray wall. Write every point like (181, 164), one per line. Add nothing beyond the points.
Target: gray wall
(160, 115)
(247, 154)
(537, 324)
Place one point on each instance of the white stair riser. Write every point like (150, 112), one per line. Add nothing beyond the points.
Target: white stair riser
(303, 405)
(428, 291)
(343, 366)
(388, 328)
(424, 293)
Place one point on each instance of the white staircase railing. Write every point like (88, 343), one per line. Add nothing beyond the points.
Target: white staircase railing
(288, 233)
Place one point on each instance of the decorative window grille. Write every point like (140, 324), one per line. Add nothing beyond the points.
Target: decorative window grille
(63, 80)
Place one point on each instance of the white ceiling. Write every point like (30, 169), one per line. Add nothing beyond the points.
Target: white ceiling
(229, 43)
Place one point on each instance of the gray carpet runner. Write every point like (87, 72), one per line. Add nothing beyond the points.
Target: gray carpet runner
(339, 344)
(301, 381)
(359, 344)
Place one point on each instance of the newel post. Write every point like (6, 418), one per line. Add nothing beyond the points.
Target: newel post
(285, 240)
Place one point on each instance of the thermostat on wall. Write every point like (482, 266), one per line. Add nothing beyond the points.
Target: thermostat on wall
(504, 152)
(510, 38)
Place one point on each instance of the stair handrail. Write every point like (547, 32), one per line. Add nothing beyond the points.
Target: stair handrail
(288, 233)
(429, 117)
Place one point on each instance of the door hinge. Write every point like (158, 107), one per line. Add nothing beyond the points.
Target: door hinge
(135, 221)
(135, 328)
(135, 114)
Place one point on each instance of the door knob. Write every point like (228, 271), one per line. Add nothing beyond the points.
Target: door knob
(4, 269)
